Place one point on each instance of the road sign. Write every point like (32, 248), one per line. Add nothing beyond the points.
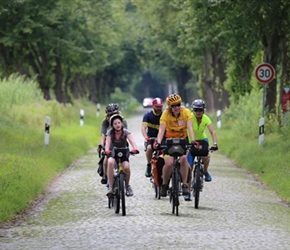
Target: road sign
(286, 99)
(264, 73)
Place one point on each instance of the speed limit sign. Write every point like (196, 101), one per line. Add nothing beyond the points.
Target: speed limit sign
(264, 72)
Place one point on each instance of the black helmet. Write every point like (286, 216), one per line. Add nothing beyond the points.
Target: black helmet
(114, 117)
(112, 108)
(198, 104)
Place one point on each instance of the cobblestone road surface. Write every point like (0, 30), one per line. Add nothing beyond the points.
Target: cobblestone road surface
(236, 212)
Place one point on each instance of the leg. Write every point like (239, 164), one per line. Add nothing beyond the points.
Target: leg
(184, 166)
(205, 160)
(126, 165)
(148, 157)
(167, 169)
(184, 169)
(166, 173)
(105, 167)
(110, 171)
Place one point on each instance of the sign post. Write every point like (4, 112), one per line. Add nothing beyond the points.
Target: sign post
(82, 114)
(219, 121)
(46, 130)
(264, 73)
(98, 109)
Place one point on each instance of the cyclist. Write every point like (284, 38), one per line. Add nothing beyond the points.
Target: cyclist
(117, 136)
(149, 129)
(111, 109)
(200, 121)
(174, 122)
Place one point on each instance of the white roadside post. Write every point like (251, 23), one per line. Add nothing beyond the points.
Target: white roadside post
(261, 131)
(264, 73)
(46, 130)
(219, 121)
(82, 114)
(98, 109)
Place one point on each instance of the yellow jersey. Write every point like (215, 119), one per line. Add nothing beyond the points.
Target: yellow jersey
(176, 127)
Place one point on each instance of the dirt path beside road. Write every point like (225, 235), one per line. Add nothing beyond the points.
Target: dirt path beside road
(236, 212)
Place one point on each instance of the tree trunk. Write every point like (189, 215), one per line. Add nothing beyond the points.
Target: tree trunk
(271, 48)
(58, 87)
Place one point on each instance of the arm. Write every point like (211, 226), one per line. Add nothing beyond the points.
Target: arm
(212, 132)
(144, 130)
(103, 139)
(190, 129)
(161, 131)
(132, 141)
(108, 143)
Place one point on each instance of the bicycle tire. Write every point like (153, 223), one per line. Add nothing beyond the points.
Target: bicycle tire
(122, 192)
(116, 198)
(197, 186)
(175, 190)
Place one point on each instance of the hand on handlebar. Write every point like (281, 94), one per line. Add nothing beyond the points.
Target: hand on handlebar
(108, 152)
(135, 151)
(195, 144)
(156, 145)
(214, 147)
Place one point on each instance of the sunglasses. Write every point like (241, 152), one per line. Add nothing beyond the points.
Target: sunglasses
(198, 110)
(176, 105)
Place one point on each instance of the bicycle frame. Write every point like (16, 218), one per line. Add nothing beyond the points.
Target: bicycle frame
(197, 182)
(119, 183)
(175, 147)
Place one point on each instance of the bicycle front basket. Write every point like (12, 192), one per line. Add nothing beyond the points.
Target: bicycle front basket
(120, 152)
(202, 151)
(176, 146)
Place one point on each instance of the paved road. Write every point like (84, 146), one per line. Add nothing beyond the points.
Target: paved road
(236, 212)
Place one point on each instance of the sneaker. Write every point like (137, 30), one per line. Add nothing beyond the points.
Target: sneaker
(129, 191)
(148, 170)
(207, 176)
(163, 190)
(110, 192)
(104, 180)
(185, 189)
(187, 197)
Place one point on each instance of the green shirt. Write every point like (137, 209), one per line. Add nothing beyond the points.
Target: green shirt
(198, 130)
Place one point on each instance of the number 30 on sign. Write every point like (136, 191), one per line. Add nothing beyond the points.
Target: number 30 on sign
(264, 72)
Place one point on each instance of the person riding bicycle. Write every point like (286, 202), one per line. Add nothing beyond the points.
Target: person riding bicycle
(111, 109)
(149, 129)
(175, 121)
(200, 122)
(118, 136)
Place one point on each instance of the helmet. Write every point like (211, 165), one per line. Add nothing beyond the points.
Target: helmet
(198, 104)
(114, 117)
(112, 108)
(173, 99)
(157, 102)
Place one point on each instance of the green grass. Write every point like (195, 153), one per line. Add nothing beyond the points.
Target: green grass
(27, 165)
(238, 139)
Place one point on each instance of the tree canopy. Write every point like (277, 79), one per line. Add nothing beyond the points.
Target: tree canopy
(87, 48)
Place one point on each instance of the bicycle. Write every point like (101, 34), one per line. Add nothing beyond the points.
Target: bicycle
(175, 147)
(119, 183)
(198, 171)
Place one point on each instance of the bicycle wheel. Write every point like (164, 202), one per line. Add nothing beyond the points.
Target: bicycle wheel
(196, 187)
(122, 192)
(116, 198)
(175, 191)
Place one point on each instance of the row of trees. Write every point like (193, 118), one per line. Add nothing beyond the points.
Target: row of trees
(209, 48)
